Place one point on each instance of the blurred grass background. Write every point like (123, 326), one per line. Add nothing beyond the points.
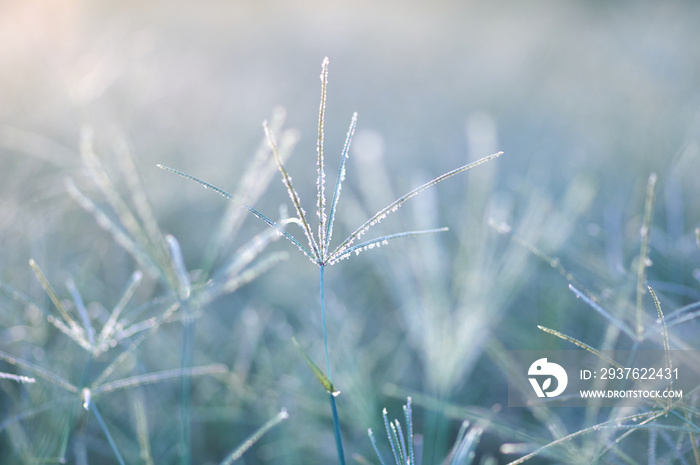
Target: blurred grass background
(585, 99)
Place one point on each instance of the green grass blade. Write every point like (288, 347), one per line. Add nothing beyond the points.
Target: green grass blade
(323, 379)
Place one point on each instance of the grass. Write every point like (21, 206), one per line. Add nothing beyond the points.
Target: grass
(318, 248)
(179, 350)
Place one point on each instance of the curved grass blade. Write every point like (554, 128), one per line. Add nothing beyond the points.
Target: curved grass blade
(650, 416)
(248, 443)
(380, 241)
(682, 315)
(287, 180)
(325, 382)
(583, 345)
(664, 335)
(255, 212)
(381, 214)
(339, 181)
(644, 253)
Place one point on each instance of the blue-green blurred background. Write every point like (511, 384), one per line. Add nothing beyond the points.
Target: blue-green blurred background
(586, 99)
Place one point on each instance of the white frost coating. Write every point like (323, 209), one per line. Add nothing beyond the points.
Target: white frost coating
(18, 378)
(86, 394)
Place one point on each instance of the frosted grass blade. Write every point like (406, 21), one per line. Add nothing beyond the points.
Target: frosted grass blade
(159, 376)
(255, 212)
(38, 371)
(583, 345)
(18, 378)
(138, 195)
(381, 214)
(408, 413)
(255, 437)
(340, 179)
(139, 413)
(255, 180)
(380, 241)
(392, 441)
(682, 314)
(108, 328)
(648, 417)
(155, 322)
(109, 191)
(595, 306)
(120, 236)
(644, 253)
(178, 262)
(234, 282)
(82, 311)
(374, 444)
(321, 179)
(48, 288)
(287, 180)
(664, 335)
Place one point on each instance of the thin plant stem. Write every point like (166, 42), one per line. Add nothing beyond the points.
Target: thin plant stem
(101, 421)
(323, 322)
(334, 408)
(336, 429)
